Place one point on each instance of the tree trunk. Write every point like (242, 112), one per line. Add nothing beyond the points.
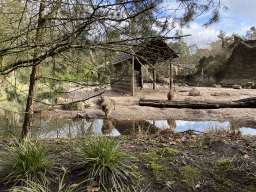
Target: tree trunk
(27, 125)
(42, 20)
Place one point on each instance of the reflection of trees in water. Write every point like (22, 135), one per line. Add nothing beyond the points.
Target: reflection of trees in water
(172, 123)
(135, 127)
(10, 124)
(236, 124)
(53, 127)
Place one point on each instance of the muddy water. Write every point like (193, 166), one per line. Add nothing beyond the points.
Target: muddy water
(11, 125)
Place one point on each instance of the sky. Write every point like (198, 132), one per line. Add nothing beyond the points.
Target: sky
(238, 19)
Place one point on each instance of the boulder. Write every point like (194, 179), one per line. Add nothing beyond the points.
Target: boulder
(194, 92)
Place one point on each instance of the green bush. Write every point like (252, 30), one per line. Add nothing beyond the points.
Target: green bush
(104, 163)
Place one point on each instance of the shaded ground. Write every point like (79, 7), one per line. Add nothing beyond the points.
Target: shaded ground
(176, 162)
(127, 107)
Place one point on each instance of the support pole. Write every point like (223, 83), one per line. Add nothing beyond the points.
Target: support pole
(132, 76)
(154, 79)
(141, 77)
(171, 75)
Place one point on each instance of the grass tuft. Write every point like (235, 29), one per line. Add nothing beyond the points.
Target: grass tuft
(104, 163)
(32, 186)
(25, 161)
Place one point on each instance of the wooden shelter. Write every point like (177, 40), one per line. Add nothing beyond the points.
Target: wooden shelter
(129, 64)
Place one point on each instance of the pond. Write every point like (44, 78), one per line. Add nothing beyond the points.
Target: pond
(11, 125)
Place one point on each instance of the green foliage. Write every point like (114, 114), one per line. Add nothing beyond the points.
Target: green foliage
(25, 161)
(251, 34)
(105, 74)
(212, 65)
(224, 37)
(183, 49)
(102, 161)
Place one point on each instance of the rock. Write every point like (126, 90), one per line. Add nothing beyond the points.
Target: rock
(236, 86)
(194, 92)
(216, 86)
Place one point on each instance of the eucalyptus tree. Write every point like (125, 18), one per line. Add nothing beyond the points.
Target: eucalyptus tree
(42, 30)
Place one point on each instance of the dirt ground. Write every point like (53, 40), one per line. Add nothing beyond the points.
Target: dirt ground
(127, 107)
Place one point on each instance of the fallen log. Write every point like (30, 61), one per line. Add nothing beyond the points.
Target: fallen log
(242, 103)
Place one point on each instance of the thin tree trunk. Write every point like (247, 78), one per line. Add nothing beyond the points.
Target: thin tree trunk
(42, 20)
(27, 125)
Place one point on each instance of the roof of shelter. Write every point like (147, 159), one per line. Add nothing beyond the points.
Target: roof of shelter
(184, 66)
(154, 51)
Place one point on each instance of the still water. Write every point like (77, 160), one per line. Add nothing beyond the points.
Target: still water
(11, 125)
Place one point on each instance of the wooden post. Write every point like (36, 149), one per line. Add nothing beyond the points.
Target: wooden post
(141, 77)
(132, 75)
(171, 75)
(154, 79)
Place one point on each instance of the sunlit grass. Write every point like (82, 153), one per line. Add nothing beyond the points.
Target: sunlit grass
(101, 161)
(25, 161)
(32, 186)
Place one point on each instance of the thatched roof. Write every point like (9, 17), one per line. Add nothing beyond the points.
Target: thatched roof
(154, 51)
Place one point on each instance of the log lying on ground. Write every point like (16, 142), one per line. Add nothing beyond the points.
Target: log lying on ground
(242, 103)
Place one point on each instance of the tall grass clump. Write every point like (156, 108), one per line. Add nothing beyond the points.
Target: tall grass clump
(32, 186)
(101, 160)
(25, 161)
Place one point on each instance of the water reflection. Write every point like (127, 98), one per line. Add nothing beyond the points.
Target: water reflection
(10, 124)
(47, 126)
(69, 128)
(58, 128)
(200, 126)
